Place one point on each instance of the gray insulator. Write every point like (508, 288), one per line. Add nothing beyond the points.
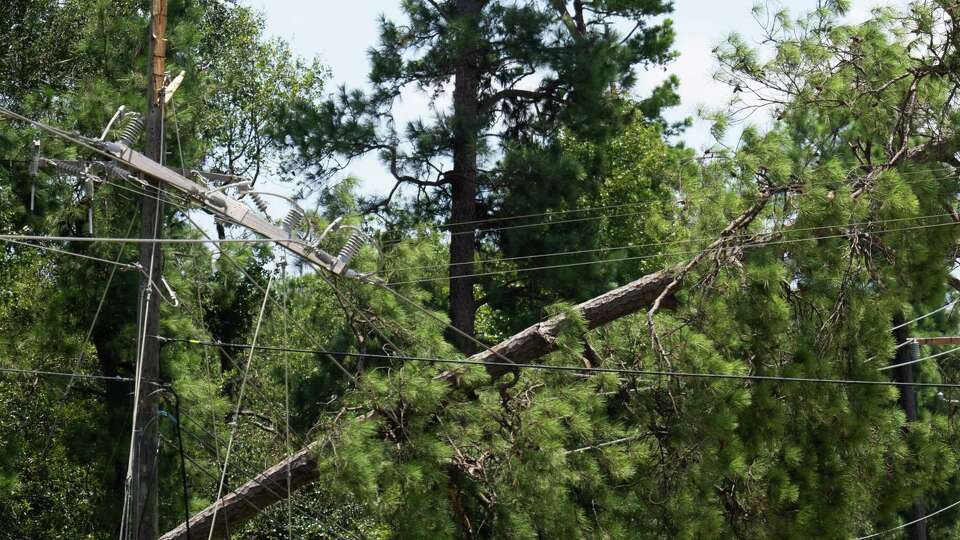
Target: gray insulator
(71, 167)
(131, 128)
(352, 247)
(88, 187)
(293, 219)
(35, 159)
(116, 170)
(34, 171)
(88, 195)
(258, 200)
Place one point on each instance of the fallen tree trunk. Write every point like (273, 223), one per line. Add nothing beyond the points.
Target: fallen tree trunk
(537, 340)
(250, 499)
(540, 339)
(270, 486)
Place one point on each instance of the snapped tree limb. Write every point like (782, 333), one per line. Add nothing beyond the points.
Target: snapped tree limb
(248, 500)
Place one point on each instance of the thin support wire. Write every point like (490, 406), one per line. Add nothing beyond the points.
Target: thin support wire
(914, 522)
(96, 315)
(141, 346)
(286, 397)
(236, 414)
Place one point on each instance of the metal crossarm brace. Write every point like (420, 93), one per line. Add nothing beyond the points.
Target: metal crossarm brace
(227, 208)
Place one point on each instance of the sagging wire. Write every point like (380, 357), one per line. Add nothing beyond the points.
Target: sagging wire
(236, 414)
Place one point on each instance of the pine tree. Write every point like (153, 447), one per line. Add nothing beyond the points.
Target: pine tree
(500, 75)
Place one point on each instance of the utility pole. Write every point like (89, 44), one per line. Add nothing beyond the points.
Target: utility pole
(145, 512)
(908, 402)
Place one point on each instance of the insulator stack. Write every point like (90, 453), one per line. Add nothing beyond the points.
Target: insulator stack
(71, 167)
(351, 248)
(88, 188)
(35, 159)
(88, 196)
(132, 128)
(258, 200)
(116, 170)
(34, 171)
(293, 219)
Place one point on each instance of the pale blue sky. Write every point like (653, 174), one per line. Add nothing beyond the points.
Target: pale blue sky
(340, 33)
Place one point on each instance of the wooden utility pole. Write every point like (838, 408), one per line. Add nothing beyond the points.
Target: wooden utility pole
(145, 521)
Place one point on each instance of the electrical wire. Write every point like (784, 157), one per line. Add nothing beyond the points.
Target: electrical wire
(905, 525)
(141, 348)
(909, 362)
(115, 264)
(288, 450)
(574, 369)
(96, 315)
(208, 240)
(748, 245)
(909, 341)
(116, 240)
(925, 315)
(661, 243)
(686, 200)
(236, 414)
(69, 375)
(183, 464)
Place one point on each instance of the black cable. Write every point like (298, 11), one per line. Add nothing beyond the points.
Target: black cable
(575, 369)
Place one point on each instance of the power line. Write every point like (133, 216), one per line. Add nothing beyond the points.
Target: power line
(909, 362)
(103, 299)
(116, 240)
(116, 263)
(116, 378)
(662, 243)
(925, 315)
(236, 414)
(914, 522)
(686, 200)
(574, 369)
(23, 239)
(643, 257)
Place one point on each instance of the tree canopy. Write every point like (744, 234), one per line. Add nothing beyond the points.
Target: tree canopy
(666, 342)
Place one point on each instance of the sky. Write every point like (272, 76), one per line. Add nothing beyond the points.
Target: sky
(340, 33)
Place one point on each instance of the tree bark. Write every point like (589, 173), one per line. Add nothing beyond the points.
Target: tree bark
(540, 338)
(908, 402)
(117, 407)
(241, 504)
(466, 112)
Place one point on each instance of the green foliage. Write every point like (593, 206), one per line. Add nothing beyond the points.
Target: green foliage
(859, 232)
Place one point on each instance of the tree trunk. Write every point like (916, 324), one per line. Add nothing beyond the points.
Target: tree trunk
(908, 401)
(117, 407)
(466, 108)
